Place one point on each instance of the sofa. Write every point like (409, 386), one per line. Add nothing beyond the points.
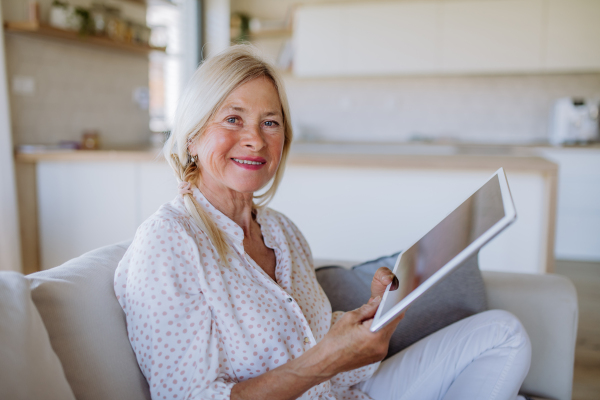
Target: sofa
(63, 333)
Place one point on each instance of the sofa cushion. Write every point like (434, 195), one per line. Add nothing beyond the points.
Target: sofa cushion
(460, 295)
(29, 368)
(87, 326)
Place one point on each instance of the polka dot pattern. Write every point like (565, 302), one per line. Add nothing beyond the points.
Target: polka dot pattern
(198, 326)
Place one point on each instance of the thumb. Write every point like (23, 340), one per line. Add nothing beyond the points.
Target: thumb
(367, 311)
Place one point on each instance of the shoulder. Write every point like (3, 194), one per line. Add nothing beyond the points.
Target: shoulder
(167, 237)
(163, 255)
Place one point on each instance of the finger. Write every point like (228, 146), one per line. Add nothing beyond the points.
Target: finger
(382, 278)
(368, 310)
(383, 275)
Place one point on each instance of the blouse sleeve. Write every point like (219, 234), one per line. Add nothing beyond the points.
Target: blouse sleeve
(169, 323)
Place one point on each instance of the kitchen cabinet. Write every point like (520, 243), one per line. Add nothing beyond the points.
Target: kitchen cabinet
(364, 39)
(319, 41)
(446, 37)
(350, 207)
(85, 205)
(356, 214)
(491, 36)
(82, 206)
(389, 38)
(578, 209)
(573, 32)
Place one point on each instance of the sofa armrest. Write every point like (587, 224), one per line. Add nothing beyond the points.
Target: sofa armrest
(547, 307)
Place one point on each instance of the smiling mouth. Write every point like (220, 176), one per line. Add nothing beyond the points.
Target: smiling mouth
(237, 160)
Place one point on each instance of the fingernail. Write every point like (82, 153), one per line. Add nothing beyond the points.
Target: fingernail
(395, 283)
(377, 299)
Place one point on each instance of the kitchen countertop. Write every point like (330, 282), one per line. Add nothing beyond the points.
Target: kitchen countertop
(373, 155)
(90, 155)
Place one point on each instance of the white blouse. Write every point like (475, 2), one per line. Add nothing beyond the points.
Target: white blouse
(198, 327)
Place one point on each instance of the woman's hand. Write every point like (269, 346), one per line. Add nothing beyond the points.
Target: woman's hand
(350, 344)
(382, 278)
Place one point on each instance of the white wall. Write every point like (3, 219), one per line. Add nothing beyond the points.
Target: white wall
(10, 246)
(488, 109)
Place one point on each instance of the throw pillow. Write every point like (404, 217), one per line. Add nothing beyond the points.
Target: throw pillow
(460, 295)
(87, 326)
(29, 368)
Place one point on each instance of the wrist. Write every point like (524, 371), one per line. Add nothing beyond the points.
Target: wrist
(319, 362)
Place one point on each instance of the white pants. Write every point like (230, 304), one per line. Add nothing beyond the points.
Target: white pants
(483, 357)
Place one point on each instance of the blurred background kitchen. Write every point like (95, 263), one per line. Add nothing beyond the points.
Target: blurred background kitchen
(399, 108)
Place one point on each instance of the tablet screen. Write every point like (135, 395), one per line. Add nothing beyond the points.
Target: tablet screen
(447, 239)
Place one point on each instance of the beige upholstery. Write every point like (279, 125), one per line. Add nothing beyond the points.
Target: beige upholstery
(29, 368)
(86, 327)
(547, 307)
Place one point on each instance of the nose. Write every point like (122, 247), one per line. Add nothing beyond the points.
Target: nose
(253, 138)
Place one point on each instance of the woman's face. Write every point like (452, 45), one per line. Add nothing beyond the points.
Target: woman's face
(241, 146)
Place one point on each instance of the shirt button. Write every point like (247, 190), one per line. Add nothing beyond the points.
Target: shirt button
(289, 300)
(306, 340)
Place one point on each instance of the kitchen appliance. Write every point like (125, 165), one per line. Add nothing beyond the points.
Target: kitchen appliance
(574, 121)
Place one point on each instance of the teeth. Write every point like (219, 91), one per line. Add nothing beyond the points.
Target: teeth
(247, 161)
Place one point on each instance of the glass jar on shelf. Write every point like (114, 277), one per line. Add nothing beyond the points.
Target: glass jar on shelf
(115, 25)
(141, 34)
(98, 14)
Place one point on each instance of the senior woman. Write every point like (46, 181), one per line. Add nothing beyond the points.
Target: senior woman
(220, 293)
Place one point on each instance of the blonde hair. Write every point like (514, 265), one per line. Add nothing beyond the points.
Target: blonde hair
(210, 85)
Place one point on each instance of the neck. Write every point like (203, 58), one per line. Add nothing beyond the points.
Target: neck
(235, 205)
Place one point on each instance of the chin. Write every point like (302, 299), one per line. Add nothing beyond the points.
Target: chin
(247, 187)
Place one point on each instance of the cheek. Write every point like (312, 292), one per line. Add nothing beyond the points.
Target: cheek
(276, 147)
(213, 150)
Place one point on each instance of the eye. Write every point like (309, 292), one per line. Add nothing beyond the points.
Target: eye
(231, 120)
(271, 123)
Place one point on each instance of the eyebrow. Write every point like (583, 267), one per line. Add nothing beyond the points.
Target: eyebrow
(242, 109)
(236, 108)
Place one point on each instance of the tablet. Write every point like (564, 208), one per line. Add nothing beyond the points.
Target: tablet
(455, 239)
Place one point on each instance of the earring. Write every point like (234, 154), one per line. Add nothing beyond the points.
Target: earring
(193, 159)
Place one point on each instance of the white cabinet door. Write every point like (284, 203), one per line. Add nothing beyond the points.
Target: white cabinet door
(83, 206)
(86, 205)
(390, 38)
(419, 37)
(572, 37)
(464, 36)
(578, 209)
(319, 41)
(491, 36)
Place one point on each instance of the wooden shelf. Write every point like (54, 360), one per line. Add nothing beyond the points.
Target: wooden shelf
(270, 33)
(33, 28)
